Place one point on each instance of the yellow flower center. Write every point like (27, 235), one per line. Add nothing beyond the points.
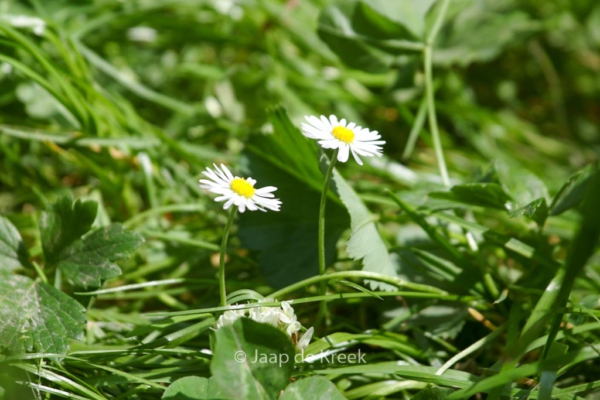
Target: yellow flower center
(242, 187)
(344, 134)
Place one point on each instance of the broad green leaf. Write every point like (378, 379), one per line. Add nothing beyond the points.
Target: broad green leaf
(13, 254)
(251, 360)
(335, 29)
(522, 186)
(572, 192)
(498, 24)
(287, 240)
(312, 388)
(192, 388)
(365, 243)
(89, 261)
(477, 194)
(432, 394)
(63, 223)
(36, 316)
(407, 13)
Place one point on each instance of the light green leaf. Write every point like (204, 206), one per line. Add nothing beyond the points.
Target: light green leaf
(312, 388)
(13, 254)
(192, 388)
(251, 360)
(365, 243)
(36, 316)
(89, 261)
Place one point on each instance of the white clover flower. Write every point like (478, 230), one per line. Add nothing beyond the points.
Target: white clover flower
(283, 318)
(229, 317)
(334, 134)
(239, 191)
(305, 339)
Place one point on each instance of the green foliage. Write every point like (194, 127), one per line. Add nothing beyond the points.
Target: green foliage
(36, 317)
(13, 254)
(251, 360)
(365, 243)
(89, 261)
(85, 262)
(122, 105)
(287, 240)
(192, 388)
(314, 388)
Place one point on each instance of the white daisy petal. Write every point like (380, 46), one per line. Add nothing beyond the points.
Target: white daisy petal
(333, 133)
(343, 154)
(238, 191)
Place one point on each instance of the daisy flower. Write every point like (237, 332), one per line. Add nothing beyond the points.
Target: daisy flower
(239, 191)
(348, 138)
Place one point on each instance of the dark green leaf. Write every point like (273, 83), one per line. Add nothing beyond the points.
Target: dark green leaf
(64, 223)
(432, 394)
(252, 360)
(498, 24)
(335, 29)
(36, 316)
(89, 261)
(287, 240)
(477, 194)
(312, 388)
(192, 388)
(13, 253)
(572, 192)
(407, 13)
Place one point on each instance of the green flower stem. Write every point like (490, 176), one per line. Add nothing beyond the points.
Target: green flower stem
(322, 212)
(322, 266)
(222, 289)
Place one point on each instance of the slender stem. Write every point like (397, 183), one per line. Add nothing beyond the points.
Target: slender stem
(433, 126)
(322, 212)
(416, 129)
(374, 276)
(322, 263)
(222, 289)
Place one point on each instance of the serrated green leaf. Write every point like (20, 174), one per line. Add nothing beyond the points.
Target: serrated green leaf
(287, 240)
(251, 360)
(312, 388)
(13, 253)
(192, 388)
(36, 316)
(365, 243)
(63, 223)
(89, 261)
